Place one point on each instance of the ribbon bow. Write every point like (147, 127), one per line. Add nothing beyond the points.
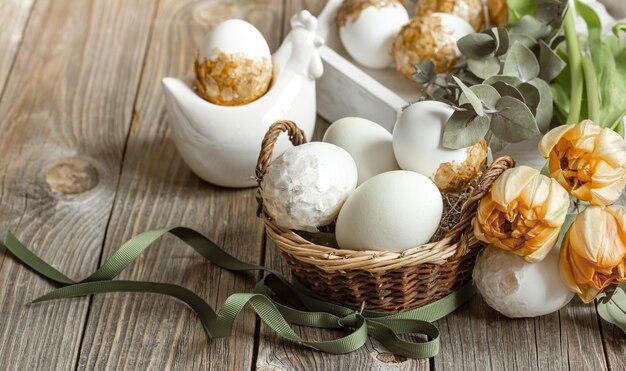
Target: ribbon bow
(305, 309)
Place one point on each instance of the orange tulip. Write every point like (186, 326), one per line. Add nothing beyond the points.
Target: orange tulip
(522, 213)
(589, 161)
(593, 253)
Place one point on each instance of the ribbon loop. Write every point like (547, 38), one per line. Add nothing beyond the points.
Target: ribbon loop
(303, 307)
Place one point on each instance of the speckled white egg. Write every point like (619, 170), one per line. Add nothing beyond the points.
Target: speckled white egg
(367, 29)
(369, 144)
(516, 288)
(392, 211)
(234, 65)
(417, 145)
(305, 187)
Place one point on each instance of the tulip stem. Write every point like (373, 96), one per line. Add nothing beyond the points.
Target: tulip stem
(576, 78)
(591, 84)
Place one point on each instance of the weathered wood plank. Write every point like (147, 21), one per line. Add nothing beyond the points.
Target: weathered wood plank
(64, 120)
(13, 18)
(157, 189)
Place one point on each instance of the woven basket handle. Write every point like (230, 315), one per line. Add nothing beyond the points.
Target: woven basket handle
(468, 210)
(296, 136)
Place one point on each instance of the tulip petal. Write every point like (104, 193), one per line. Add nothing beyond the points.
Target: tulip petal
(552, 138)
(511, 184)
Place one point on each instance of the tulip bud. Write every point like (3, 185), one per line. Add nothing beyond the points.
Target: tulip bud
(589, 161)
(522, 213)
(593, 253)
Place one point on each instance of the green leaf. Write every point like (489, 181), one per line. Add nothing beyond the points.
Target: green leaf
(550, 64)
(508, 90)
(519, 8)
(487, 94)
(567, 223)
(501, 36)
(529, 26)
(511, 80)
(609, 59)
(594, 25)
(476, 45)
(619, 28)
(545, 108)
(525, 40)
(521, 62)
(424, 72)
(484, 67)
(463, 129)
(471, 97)
(514, 122)
(531, 96)
(496, 144)
(612, 306)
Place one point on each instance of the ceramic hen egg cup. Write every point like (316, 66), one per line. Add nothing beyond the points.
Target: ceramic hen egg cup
(221, 143)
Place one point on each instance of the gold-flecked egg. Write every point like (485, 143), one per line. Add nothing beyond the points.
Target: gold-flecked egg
(498, 11)
(234, 65)
(470, 10)
(350, 10)
(429, 37)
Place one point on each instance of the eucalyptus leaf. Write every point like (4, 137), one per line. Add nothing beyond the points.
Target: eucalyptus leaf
(441, 81)
(484, 67)
(424, 72)
(528, 25)
(511, 80)
(612, 306)
(487, 94)
(514, 122)
(531, 96)
(545, 108)
(521, 62)
(496, 144)
(501, 36)
(508, 90)
(471, 97)
(525, 40)
(550, 64)
(556, 41)
(463, 129)
(476, 45)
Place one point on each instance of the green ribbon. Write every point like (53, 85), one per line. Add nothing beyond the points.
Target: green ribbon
(314, 311)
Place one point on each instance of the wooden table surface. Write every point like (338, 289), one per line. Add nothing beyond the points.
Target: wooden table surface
(87, 161)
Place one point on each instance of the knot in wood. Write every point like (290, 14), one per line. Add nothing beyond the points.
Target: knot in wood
(71, 176)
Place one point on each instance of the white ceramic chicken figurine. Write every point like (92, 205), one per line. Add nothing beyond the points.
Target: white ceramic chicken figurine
(221, 143)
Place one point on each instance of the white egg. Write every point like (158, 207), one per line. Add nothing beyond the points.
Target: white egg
(417, 145)
(369, 144)
(235, 65)
(367, 31)
(235, 36)
(516, 288)
(393, 211)
(305, 187)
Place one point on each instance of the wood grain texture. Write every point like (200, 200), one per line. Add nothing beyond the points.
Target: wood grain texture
(13, 17)
(148, 332)
(70, 95)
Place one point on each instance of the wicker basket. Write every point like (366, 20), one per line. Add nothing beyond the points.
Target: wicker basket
(380, 281)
